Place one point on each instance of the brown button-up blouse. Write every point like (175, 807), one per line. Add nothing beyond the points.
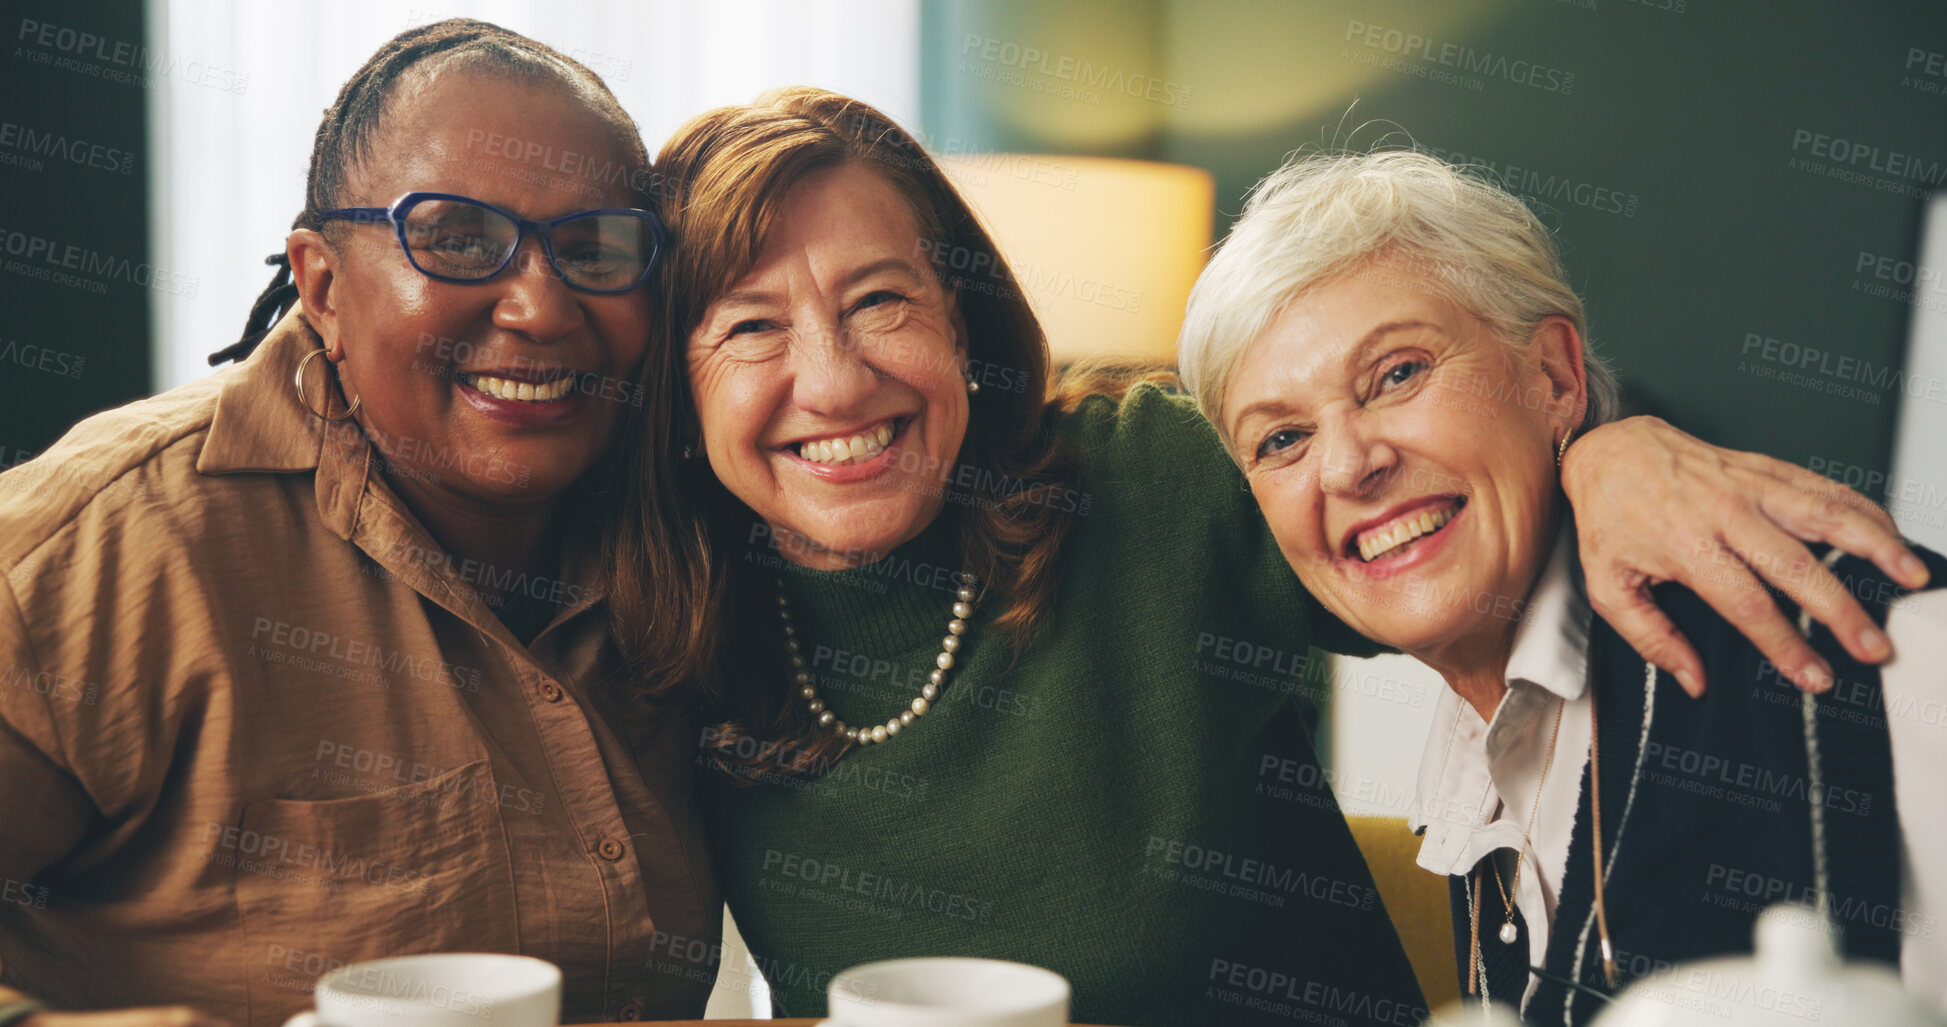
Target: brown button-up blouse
(255, 725)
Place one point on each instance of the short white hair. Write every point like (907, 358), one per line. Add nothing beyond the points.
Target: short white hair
(1322, 215)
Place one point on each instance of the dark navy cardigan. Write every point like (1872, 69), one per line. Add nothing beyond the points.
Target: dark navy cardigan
(1719, 826)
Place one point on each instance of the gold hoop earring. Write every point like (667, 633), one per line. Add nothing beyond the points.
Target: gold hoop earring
(306, 403)
(1561, 451)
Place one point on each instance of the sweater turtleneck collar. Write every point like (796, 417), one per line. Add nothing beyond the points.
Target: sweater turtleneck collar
(883, 609)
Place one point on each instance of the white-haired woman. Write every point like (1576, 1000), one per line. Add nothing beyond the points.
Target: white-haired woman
(1390, 350)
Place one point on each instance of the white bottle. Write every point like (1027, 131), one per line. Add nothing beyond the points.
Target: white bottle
(1795, 978)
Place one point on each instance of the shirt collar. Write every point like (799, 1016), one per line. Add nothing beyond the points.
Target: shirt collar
(259, 424)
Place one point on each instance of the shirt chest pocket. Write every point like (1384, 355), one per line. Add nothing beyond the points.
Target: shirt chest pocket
(324, 883)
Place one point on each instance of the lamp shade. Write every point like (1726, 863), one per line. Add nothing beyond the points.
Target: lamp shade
(1105, 250)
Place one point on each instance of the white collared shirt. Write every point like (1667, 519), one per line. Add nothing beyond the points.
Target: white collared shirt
(1477, 781)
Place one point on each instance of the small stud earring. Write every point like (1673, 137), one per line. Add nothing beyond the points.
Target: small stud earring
(973, 387)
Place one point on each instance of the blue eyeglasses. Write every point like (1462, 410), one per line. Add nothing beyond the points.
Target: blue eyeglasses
(460, 239)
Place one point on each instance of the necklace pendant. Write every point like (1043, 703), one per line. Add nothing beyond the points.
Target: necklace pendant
(1508, 933)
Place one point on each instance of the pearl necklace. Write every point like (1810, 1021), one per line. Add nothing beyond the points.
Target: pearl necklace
(801, 675)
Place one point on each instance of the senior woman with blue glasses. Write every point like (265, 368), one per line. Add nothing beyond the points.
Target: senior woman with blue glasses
(300, 663)
(1391, 352)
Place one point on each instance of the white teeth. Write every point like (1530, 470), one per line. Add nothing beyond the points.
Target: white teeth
(848, 449)
(525, 392)
(1383, 540)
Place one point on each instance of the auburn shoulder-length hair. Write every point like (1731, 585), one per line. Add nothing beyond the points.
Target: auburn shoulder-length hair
(679, 604)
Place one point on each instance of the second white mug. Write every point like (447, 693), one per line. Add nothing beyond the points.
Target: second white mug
(948, 992)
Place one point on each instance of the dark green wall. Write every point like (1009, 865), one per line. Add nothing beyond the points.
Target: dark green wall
(1666, 164)
(74, 167)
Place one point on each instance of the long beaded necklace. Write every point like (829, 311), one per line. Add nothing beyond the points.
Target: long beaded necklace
(956, 630)
(1477, 976)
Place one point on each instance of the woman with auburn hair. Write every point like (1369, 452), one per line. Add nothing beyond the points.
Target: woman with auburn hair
(972, 655)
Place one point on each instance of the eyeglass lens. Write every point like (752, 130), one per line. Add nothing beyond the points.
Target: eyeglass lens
(467, 241)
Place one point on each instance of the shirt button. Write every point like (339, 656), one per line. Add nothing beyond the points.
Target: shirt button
(610, 849)
(550, 691)
(632, 1011)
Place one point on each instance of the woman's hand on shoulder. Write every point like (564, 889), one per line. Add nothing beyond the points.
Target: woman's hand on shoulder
(1653, 504)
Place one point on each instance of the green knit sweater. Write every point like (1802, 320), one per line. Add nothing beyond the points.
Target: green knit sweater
(1131, 802)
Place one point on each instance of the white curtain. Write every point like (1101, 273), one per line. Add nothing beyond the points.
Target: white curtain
(232, 149)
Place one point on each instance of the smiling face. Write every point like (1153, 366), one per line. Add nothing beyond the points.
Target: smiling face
(828, 380)
(1404, 456)
(499, 392)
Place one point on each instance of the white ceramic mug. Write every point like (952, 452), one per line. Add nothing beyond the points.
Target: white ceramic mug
(442, 989)
(948, 992)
